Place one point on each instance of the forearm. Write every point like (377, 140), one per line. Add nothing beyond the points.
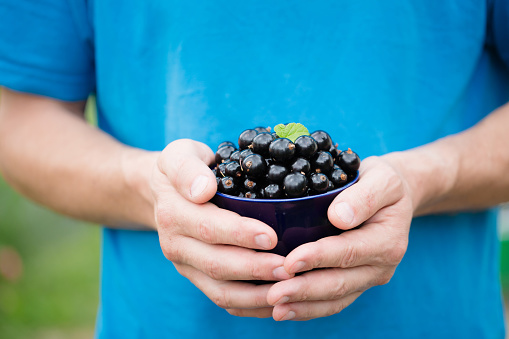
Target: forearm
(465, 171)
(51, 155)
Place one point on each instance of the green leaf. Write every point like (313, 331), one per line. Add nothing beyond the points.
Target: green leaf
(291, 131)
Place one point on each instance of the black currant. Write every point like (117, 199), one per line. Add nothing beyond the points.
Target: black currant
(250, 185)
(334, 151)
(261, 143)
(272, 191)
(245, 153)
(331, 186)
(235, 156)
(246, 138)
(223, 154)
(323, 140)
(260, 129)
(252, 195)
(254, 166)
(338, 177)
(221, 170)
(241, 194)
(301, 165)
(322, 162)
(319, 182)
(276, 173)
(305, 146)
(232, 169)
(225, 143)
(282, 150)
(227, 186)
(295, 185)
(349, 161)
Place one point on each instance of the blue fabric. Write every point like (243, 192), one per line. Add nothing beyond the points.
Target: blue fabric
(380, 76)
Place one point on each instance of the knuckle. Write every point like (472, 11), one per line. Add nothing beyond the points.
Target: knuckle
(383, 278)
(205, 231)
(339, 289)
(349, 257)
(164, 217)
(171, 251)
(213, 269)
(396, 254)
(222, 298)
(255, 271)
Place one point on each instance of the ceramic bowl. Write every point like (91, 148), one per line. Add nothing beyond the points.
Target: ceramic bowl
(296, 221)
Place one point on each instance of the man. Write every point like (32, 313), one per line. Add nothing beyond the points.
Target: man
(381, 77)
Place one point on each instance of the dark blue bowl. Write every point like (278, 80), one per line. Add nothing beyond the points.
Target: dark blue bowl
(296, 221)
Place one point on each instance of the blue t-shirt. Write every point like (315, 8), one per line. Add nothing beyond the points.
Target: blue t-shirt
(380, 76)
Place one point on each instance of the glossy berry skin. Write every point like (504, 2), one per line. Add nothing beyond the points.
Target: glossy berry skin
(250, 185)
(232, 169)
(305, 146)
(261, 143)
(276, 173)
(301, 165)
(349, 161)
(227, 186)
(221, 170)
(323, 140)
(282, 150)
(295, 185)
(246, 138)
(235, 156)
(261, 129)
(225, 143)
(245, 153)
(331, 186)
(322, 162)
(272, 191)
(319, 182)
(334, 151)
(223, 154)
(254, 166)
(338, 177)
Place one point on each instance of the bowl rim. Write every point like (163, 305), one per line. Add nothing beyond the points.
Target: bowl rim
(337, 190)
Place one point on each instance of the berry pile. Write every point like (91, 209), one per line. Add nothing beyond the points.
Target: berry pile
(269, 165)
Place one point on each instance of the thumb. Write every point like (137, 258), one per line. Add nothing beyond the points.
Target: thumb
(185, 163)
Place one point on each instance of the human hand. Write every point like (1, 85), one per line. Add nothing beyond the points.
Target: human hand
(355, 260)
(210, 246)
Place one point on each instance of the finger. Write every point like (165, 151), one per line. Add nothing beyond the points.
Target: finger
(328, 284)
(312, 309)
(185, 163)
(379, 186)
(265, 312)
(212, 224)
(368, 245)
(224, 262)
(228, 294)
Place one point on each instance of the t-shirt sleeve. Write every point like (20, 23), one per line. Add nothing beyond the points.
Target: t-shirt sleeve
(498, 28)
(46, 48)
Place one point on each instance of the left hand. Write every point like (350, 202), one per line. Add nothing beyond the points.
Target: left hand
(355, 260)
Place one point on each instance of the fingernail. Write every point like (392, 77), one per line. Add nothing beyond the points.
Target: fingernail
(344, 212)
(263, 241)
(282, 301)
(298, 266)
(289, 316)
(199, 185)
(280, 273)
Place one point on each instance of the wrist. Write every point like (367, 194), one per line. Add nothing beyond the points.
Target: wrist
(137, 168)
(429, 173)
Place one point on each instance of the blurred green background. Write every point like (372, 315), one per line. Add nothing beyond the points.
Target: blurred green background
(49, 269)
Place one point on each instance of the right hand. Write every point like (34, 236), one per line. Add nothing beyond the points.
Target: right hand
(212, 247)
